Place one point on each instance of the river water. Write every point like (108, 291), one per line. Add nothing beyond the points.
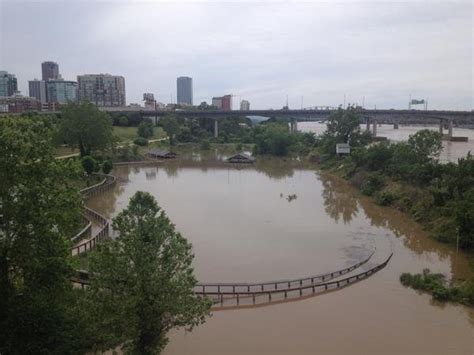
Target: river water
(281, 219)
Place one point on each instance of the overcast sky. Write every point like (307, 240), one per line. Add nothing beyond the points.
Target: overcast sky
(259, 51)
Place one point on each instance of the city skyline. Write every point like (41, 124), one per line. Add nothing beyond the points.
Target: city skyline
(403, 49)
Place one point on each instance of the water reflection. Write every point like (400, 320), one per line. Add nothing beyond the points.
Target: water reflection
(339, 202)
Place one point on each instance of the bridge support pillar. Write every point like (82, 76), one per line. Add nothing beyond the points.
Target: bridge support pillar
(216, 129)
(374, 129)
(441, 127)
(450, 129)
(293, 126)
(395, 125)
(367, 127)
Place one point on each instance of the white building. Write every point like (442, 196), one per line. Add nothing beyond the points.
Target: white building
(244, 105)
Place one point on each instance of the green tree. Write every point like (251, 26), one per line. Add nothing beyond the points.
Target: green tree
(39, 212)
(145, 129)
(171, 126)
(142, 282)
(84, 126)
(426, 144)
(107, 166)
(89, 164)
(273, 138)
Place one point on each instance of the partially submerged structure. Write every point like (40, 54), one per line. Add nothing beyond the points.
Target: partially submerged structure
(242, 158)
(160, 154)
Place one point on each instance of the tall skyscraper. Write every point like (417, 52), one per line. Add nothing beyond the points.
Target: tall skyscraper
(8, 84)
(102, 89)
(50, 71)
(61, 91)
(37, 89)
(217, 102)
(184, 86)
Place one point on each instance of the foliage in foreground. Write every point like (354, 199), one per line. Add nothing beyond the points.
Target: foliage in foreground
(436, 285)
(142, 282)
(39, 206)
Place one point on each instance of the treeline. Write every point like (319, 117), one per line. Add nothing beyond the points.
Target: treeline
(405, 175)
(141, 283)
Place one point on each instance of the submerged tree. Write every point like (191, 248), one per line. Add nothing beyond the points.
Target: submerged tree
(142, 282)
(39, 212)
(84, 126)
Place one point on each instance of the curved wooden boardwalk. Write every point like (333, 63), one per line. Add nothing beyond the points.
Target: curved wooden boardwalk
(224, 295)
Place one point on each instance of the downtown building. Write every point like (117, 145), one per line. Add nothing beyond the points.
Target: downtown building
(184, 87)
(244, 105)
(37, 90)
(8, 84)
(61, 91)
(50, 71)
(223, 103)
(103, 90)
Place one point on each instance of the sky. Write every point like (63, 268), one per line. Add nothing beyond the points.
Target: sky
(375, 53)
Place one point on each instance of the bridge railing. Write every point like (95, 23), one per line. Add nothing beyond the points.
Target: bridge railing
(229, 299)
(85, 232)
(278, 284)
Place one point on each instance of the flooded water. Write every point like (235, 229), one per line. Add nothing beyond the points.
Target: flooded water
(279, 220)
(451, 150)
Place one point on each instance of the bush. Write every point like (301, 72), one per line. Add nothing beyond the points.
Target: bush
(205, 145)
(107, 166)
(123, 121)
(141, 141)
(372, 183)
(385, 198)
(89, 164)
(238, 147)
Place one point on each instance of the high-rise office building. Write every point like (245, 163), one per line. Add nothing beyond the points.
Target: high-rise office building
(244, 105)
(8, 84)
(37, 89)
(184, 86)
(217, 102)
(61, 91)
(227, 102)
(102, 89)
(50, 71)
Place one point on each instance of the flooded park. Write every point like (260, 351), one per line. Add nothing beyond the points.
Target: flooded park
(282, 219)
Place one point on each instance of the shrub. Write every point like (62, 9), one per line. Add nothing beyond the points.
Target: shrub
(238, 147)
(205, 145)
(141, 141)
(372, 183)
(123, 121)
(385, 198)
(89, 164)
(107, 166)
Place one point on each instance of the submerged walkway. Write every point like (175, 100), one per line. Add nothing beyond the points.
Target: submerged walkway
(224, 295)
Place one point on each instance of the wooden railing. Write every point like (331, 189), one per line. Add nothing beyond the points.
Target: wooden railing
(85, 232)
(94, 217)
(230, 299)
(278, 284)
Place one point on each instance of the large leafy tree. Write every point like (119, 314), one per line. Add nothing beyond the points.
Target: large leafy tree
(171, 126)
(84, 126)
(39, 211)
(142, 282)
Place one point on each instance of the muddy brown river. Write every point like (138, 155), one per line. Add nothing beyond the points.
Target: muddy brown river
(280, 219)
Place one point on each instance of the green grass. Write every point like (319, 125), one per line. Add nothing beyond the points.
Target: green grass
(128, 134)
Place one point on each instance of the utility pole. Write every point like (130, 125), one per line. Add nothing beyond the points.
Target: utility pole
(301, 102)
(344, 106)
(363, 101)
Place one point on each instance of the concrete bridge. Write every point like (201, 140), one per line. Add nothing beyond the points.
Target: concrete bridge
(374, 117)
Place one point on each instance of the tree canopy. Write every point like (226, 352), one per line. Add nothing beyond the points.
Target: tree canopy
(142, 281)
(39, 212)
(83, 125)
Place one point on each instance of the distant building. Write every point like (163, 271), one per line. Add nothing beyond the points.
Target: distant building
(37, 89)
(61, 91)
(227, 102)
(217, 102)
(50, 71)
(104, 90)
(244, 105)
(150, 103)
(8, 84)
(19, 104)
(184, 87)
